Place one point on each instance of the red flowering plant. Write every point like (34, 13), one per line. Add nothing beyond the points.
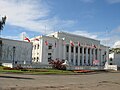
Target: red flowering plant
(57, 64)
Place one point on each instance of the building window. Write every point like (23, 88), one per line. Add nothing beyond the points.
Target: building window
(80, 60)
(96, 52)
(34, 58)
(37, 59)
(84, 50)
(89, 61)
(50, 47)
(38, 46)
(72, 61)
(76, 49)
(111, 64)
(50, 54)
(76, 62)
(49, 59)
(88, 51)
(80, 50)
(35, 47)
(111, 59)
(67, 57)
(67, 48)
(72, 49)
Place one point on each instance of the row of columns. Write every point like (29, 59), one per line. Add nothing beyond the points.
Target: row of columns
(87, 59)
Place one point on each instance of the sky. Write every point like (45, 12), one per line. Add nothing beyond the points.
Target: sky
(97, 19)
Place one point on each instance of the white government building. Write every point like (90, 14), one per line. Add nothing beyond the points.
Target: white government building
(114, 59)
(14, 52)
(77, 50)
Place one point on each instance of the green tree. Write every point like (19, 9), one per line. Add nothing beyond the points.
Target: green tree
(115, 50)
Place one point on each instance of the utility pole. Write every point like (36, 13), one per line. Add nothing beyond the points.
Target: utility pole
(13, 56)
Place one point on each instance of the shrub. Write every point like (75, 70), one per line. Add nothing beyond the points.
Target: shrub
(57, 64)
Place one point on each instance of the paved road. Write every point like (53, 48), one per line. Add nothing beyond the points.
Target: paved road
(100, 81)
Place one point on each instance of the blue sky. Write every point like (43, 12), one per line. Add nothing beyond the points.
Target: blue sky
(98, 19)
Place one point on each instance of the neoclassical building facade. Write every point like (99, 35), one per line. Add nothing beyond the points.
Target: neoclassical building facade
(77, 50)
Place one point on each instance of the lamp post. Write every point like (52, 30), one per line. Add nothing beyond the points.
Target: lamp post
(0, 51)
(13, 55)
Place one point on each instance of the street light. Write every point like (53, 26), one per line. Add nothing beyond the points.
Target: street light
(13, 55)
(0, 51)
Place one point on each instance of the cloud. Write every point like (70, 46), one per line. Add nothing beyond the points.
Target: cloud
(113, 1)
(116, 44)
(105, 39)
(23, 35)
(17, 37)
(32, 15)
(85, 33)
(11, 37)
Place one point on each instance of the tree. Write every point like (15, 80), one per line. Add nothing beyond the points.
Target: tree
(115, 50)
(2, 23)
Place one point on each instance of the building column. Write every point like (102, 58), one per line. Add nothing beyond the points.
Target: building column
(64, 52)
(82, 55)
(98, 55)
(74, 55)
(69, 54)
(78, 56)
(86, 56)
(91, 56)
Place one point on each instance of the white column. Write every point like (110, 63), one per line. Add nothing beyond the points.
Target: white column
(69, 54)
(74, 55)
(98, 54)
(82, 55)
(87, 56)
(64, 52)
(93, 54)
(100, 57)
(90, 56)
(78, 56)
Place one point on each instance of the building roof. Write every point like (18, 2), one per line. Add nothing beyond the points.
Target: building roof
(13, 40)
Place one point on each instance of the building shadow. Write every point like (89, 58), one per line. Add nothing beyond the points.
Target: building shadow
(15, 77)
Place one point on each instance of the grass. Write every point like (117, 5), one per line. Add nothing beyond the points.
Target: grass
(36, 71)
(42, 71)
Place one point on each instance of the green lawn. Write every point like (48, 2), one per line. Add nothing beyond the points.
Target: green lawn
(36, 71)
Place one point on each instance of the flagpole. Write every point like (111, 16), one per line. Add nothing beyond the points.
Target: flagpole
(45, 29)
(106, 59)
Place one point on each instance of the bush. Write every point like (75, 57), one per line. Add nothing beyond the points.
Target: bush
(18, 67)
(57, 64)
(7, 68)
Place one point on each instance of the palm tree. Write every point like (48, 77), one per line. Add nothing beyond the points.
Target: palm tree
(2, 23)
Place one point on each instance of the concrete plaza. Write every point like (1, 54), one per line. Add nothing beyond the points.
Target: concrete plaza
(89, 81)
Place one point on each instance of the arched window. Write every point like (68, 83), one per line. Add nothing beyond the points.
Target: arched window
(38, 46)
(37, 59)
(111, 59)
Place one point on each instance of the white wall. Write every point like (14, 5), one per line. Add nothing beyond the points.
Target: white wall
(22, 53)
(115, 59)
